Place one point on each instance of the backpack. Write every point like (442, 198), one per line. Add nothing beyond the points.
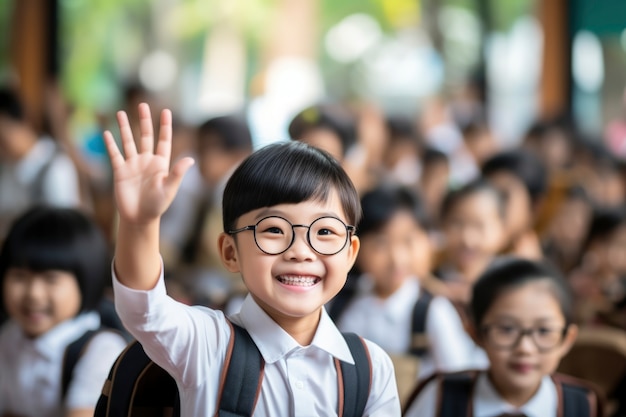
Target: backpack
(419, 340)
(136, 386)
(576, 398)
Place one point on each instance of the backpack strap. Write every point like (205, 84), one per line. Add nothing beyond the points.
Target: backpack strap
(576, 398)
(242, 375)
(455, 398)
(419, 339)
(72, 354)
(354, 381)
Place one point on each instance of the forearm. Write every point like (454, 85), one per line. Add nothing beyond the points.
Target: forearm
(137, 259)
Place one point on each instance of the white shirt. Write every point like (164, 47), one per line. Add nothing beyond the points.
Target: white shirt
(30, 380)
(487, 403)
(191, 342)
(387, 322)
(60, 185)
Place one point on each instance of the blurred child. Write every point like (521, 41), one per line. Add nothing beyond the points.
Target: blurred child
(289, 212)
(434, 180)
(473, 225)
(522, 179)
(522, 317)
(402, 156)
(392, 307)
(54, 266)
(599, 281)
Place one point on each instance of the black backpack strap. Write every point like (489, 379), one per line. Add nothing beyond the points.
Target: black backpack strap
(242, 375)
(456, 394)
(419, 340)
(576, 398)
(72, 354)
(354, 381)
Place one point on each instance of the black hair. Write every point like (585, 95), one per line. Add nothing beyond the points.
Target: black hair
(65, 239)
(479, 185)
(11, 104)
(231, 132)
(604, 222)
(287, 173)
(524, 165)
(382, 203)
(507, 272)
(432, 155)
(325, 116)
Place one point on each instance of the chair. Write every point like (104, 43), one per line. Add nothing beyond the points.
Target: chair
(406, 368)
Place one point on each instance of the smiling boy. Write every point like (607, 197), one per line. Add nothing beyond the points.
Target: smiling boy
(289, 212)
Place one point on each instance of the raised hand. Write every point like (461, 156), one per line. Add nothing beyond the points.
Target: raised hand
(144, 185)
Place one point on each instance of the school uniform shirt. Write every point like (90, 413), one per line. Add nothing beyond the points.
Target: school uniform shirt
(387, 322)
(30, 380)
(487, 402)
(191, 342)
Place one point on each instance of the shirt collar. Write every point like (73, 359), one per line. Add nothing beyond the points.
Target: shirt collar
(274, 343)
(489, 403)
(55, 340)
(396, 304)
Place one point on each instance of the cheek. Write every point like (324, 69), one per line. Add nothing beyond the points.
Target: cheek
(67, 298)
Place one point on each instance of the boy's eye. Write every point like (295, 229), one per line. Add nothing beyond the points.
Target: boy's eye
(325, 232)
(274, 230)
(507, 329)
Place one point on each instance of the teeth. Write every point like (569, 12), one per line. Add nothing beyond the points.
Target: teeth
(298, 281)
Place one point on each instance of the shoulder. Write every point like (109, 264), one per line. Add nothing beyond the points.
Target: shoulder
(423, 402)
(572, 391)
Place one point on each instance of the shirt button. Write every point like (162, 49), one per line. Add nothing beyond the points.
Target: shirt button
(299, 384)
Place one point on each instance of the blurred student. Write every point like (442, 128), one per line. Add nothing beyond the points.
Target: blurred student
(474, 232)
(33, 169)
(54, 266)
(391, 306)
(522, 317)
(522, 179)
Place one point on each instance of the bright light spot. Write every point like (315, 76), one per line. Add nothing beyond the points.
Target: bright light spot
(587, 62)
(157, 70)
(352, 37)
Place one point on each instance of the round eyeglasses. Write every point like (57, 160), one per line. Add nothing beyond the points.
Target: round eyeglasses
(273, 235)
(509, 336)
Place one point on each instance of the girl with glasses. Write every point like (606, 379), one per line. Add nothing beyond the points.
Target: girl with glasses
(522, 318)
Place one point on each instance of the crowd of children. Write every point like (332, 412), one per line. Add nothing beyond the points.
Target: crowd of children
(477, 262)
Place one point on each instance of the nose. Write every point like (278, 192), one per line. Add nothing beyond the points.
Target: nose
(35, 288)
(525, 343)
(300, 249)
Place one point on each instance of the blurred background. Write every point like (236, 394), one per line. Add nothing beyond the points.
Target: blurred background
(522, 59)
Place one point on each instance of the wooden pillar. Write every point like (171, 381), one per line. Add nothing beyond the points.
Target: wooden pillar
(32, 49)
(555, 94)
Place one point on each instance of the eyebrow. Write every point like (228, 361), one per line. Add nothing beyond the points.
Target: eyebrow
(270, 211)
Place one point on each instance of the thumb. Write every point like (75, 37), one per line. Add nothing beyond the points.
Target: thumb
(177, 173)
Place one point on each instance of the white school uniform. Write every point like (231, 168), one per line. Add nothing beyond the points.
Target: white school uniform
(30, 380)
(191, 342)
(388, 323)
(488, 403)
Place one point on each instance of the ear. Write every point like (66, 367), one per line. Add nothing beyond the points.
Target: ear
(570, 338)
(353, 250)
(229, 255)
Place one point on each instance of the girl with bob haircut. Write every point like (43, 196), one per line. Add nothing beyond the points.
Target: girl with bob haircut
(53, 270)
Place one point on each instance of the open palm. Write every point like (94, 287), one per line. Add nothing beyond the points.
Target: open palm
(144, 185)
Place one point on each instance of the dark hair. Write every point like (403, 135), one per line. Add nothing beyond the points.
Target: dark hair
(524, 165)
(325, 116)
(479, 185)
(287, 173)
(231, 133)
(64, 239)
(11, 104)
(432, 155)
(604, 222)
(382, 203)
(508, 272)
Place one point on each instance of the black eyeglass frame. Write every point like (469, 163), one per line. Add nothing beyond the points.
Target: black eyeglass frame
(349, 229)
(524, 332)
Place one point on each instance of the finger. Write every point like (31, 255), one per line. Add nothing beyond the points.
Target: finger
(128, 143)
(146, 128)
(164, 145)
(177, 173)
(115, 155)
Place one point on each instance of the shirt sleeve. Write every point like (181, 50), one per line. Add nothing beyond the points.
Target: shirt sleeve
(92, 370)
(383, 400)
(452, 347)
(188, 342)
(425, 404)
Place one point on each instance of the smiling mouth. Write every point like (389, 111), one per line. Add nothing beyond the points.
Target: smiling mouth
(298, 280)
